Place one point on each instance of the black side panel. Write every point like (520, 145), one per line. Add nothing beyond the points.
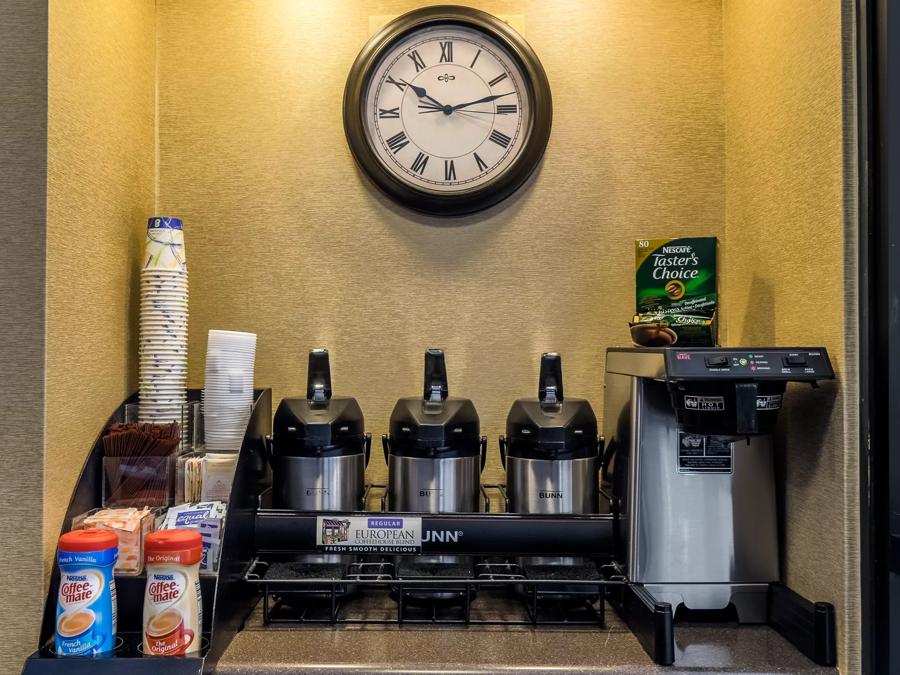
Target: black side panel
(651, 622)
(809, 626)
(234, 599)
(878, 23)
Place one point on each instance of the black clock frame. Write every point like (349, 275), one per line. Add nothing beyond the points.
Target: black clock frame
(492, 192)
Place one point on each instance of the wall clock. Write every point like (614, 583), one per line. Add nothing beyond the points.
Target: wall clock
(448, 110)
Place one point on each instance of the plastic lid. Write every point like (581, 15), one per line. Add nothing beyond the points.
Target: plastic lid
(88, 541)
(321, 425)
(175, 546)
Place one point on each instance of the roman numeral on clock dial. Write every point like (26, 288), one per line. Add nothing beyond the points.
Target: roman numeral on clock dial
(499, 78)
(419, 163)
(417, 60)
(389, 113)
(447, 52)
(508, 109)
(480, 162)
(500, 138)
(397, 142)
(449, 170)
(400, 85)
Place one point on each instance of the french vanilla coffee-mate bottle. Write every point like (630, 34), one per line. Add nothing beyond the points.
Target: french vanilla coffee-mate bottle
(86, 605)
(173, 611)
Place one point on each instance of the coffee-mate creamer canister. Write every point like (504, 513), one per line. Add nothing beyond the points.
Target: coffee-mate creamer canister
(86, 607)
(173, 613)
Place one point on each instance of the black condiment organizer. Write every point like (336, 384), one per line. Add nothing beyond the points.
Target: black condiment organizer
(227, 600)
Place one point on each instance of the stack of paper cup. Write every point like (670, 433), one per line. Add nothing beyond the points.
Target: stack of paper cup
(228, 391)
(164, 323)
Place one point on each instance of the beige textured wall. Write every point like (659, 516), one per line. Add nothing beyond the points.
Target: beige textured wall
(790, 265)
(23, 181)
(285, 238)
(100, 189)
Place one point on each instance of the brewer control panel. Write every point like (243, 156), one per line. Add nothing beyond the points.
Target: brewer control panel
(791, 363)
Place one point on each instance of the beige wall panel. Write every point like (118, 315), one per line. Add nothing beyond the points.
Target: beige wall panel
(286, 238)
(23, 185)
(787, 281)
(101, 176)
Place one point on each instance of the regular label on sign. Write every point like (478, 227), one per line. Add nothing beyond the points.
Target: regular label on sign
(700, 453)
(369, 534)
(704, 403)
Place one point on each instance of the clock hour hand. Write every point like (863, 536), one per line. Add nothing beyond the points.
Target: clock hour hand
(422, 93)
(486, 99)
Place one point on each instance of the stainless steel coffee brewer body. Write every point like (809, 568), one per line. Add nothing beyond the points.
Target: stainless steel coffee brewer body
(319, 447)
(689, 458)
(551, 453)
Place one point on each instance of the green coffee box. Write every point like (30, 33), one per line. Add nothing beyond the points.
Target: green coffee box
(676, 292)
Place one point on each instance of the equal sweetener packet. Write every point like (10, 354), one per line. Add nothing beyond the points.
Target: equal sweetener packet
(187, 515)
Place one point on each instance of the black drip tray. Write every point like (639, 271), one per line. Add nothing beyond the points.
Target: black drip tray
(578, 570)
(306, 570)
(413, 569)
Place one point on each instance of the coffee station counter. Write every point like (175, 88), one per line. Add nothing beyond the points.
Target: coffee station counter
(614, 649)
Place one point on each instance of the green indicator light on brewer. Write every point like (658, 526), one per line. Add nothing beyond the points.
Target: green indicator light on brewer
(743, 362)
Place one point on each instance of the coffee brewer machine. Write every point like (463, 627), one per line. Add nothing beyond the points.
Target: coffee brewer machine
(689, 458)
(319, 447)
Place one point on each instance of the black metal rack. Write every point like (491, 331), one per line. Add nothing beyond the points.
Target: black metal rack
(319, 600)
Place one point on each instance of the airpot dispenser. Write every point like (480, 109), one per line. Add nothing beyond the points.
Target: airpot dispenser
(319, 447)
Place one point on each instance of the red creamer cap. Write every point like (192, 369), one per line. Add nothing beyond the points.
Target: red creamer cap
(183, 547)
(88, 541)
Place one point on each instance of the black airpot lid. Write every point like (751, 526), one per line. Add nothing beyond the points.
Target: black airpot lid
(551, 426)
(435, 425)
(320, 425)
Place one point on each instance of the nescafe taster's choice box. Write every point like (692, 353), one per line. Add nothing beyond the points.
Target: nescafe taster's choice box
(676, 292)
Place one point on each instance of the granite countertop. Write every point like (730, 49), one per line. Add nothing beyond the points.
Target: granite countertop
(709, 648)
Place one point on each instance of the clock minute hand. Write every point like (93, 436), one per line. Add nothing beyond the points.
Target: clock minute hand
(486, 99)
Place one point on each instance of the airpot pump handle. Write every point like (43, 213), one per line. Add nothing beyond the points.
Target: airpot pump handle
(386, 444)
(483, 451)
(503, 451)
(550, 386)
(368, 438)
(318, 378)
(435, 376)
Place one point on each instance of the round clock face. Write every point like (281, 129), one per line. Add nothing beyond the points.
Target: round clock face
(447, 110)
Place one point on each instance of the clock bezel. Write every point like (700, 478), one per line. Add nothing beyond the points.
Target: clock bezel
(487, 194)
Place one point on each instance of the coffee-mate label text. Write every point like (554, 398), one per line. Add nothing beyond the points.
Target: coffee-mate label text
(86, 604)
(172, 611)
